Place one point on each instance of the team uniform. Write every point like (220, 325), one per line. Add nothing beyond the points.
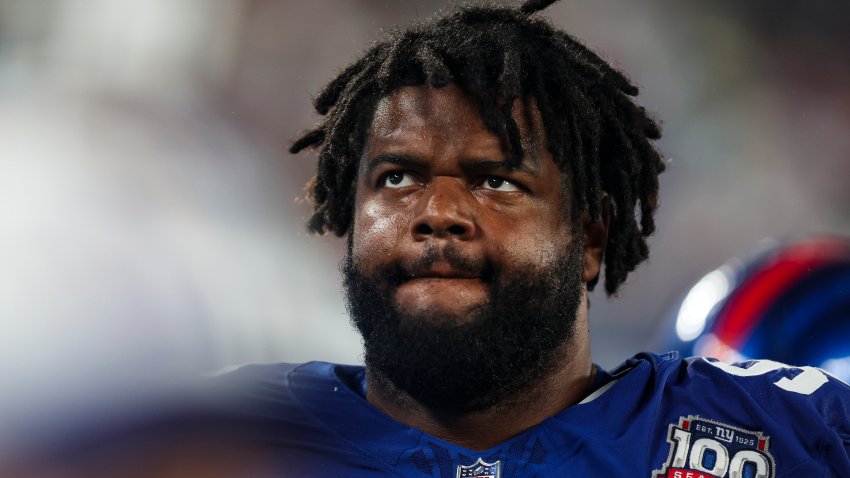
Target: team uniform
(653, 417)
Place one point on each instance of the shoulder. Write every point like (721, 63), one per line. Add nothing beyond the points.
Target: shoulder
(751, 374)
(762, 378)
(283, 383)
(788, 398)
(791, 400)
(797, 416)
(279, 404)
(807, 391)
(251, 372)
(284, 393)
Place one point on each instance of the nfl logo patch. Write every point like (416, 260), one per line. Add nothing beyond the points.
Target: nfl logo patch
(480, 469)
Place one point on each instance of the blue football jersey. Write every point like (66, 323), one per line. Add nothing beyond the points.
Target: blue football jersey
(652, 417)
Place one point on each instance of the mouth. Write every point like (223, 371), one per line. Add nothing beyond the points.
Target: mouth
(442, 286)
(441, 271)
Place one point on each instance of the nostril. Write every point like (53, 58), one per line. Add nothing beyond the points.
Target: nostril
(457, 230)
(424, 229)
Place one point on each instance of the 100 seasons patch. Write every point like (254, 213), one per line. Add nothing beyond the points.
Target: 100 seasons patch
(701, 448)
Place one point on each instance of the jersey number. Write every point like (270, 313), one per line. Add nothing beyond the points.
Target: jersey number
(806, 382)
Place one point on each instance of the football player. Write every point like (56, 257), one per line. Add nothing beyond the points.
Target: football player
(486, 169)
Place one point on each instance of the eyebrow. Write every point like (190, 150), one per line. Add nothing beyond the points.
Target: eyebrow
(501, 164)
(396, 159)
(477, 164)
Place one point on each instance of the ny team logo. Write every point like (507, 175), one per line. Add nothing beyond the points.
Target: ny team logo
(701, 448)
(480, 469)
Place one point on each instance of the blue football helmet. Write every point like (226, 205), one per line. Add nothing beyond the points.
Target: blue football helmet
(786, 301)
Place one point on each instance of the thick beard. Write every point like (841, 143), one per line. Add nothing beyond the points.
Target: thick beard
(459, 366)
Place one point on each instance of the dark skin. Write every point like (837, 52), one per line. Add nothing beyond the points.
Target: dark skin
(433, 176)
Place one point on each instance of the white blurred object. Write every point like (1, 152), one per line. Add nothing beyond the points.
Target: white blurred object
(699, 302)
(143, 235)
(130, 251)
(156, 49)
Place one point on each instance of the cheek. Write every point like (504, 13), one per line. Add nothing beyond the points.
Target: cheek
(376, 230)
(535, 244)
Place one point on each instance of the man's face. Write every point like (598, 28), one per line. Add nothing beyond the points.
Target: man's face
(458, 260)
(434, 177)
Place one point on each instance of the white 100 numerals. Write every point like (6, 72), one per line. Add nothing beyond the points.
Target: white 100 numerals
(760, 464)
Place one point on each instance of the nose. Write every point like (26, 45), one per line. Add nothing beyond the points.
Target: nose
(445, 211)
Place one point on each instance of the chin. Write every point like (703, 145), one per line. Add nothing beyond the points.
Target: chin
(440, 313)
(441, 297)
(460, 345)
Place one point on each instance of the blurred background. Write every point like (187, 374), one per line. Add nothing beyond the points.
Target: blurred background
(150, 221)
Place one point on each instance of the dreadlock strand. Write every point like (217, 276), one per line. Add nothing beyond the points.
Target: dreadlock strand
(509, 90)
(308, 139)
(396, 67)
(646, 178)
(533, 6)
(436, 71)
(330, 94)
(335, 162)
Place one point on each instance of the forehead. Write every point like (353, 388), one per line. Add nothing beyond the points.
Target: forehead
(449, 104)
(450, 116)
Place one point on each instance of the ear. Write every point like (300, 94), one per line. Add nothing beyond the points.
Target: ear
(595, 239)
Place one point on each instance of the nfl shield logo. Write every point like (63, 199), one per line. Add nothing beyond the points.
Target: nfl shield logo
(480, 469)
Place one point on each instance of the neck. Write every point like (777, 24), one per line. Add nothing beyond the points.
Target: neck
(566, 383)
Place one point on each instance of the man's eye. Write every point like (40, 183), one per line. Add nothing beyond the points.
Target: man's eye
(496, 183)
(398, 180)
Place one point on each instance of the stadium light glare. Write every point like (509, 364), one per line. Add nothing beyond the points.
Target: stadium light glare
(700, 301)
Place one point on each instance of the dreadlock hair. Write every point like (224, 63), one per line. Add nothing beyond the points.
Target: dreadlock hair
(599, 138)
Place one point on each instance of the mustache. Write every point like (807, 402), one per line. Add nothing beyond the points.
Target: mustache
(401, 271)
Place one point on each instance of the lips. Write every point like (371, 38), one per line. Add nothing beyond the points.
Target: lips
(447, 262)
(442, 270)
